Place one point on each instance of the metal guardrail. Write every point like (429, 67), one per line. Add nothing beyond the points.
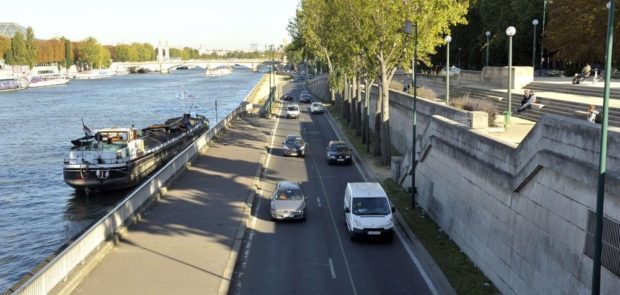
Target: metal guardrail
(59, 268)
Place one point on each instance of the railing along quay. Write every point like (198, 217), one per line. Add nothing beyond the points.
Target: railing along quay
(58, 269)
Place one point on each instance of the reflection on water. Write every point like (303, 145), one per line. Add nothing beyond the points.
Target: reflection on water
(39, 213)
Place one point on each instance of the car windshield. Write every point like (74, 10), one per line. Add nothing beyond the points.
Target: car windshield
(289, 194)
(339, 148)
(317, 104)
(370, 206)
(293, 108)
(294, 140)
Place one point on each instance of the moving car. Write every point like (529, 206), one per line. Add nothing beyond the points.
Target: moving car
(305, 98)
(292, 111)
(316, 108)
(338, 152)
(287, 97)
(294, 145)
(367, 211)
(288, 202)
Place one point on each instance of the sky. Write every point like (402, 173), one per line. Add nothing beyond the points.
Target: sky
(208, 24)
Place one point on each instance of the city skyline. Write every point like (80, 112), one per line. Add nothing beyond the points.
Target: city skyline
(222, 25)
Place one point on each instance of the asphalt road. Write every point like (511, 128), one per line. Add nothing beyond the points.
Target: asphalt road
(317, 256)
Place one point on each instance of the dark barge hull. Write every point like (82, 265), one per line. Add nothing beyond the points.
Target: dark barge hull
(131, 174)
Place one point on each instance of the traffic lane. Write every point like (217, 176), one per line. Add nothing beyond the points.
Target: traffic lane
(283, 257)
(377, 268)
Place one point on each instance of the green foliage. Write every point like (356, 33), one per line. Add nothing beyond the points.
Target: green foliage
(18, 53)
(5, 45)
(68, 61)
(31, 48)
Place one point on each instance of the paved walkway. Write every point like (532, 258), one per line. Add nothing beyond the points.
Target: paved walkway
(182, 244)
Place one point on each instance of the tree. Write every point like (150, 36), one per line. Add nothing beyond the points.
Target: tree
(68, 58)
(31, 48)
(579, 39)
(5, 45)
(17, 54)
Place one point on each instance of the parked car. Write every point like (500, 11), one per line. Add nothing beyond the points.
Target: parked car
(288, 202)
(305, 98)
(317, 108)
(453, 71)
(292, 111)
(338, 152)
(287, 97)
(367, 211)
(294, 145)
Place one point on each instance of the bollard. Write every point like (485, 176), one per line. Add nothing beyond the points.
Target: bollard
(507, 119)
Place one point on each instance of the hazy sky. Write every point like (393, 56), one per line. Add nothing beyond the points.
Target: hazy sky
(213, 24)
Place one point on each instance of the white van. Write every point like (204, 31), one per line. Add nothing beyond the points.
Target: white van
(368, 211)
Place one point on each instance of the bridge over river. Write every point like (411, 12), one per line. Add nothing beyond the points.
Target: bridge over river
(171, 64)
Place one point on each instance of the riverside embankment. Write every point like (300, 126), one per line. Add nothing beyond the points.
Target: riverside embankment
(57, 267)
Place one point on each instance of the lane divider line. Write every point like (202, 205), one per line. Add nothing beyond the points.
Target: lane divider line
(331, 267)
(318, 201)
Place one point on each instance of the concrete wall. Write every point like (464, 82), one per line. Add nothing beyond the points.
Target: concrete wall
(498, 76)
(519, 213)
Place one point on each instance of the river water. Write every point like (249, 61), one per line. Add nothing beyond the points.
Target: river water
(39, 213)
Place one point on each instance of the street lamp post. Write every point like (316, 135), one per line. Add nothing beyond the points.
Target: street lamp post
(535, 23)
(510, 31)
(542, 37)
(270, 101)
(408, 29)
(460, 58)
(448, 39)
(487, 34)
(600, 190)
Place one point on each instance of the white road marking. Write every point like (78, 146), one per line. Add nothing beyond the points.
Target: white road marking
(318, 201)
(408, 249)
(331, 214)
(331, 267)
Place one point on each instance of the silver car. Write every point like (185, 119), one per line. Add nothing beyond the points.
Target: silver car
(288, 202)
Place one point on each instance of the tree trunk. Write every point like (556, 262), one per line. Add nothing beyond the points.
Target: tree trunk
(358, 110)
(353, 102)
(385, 120)
(378, 119)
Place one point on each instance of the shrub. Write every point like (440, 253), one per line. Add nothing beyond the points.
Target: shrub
(471, 104)
(427, 93)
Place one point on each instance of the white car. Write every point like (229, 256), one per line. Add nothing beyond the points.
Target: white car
(292, 111)
(316, 108)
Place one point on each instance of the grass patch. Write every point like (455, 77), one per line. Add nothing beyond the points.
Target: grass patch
(463, 275)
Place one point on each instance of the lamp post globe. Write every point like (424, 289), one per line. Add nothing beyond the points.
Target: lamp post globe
(448, 39)
(535, 22)
(511, 31)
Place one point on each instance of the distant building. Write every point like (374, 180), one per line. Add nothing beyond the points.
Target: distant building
(253, 47)
(8, 30)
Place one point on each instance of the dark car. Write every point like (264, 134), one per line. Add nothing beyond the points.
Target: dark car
(305, 98)
(338, 152)
(288, 97)
(294, 145)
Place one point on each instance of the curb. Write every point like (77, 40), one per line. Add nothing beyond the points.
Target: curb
(429, 266)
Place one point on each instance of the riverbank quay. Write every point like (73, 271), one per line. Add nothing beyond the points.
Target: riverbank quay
(74, 259)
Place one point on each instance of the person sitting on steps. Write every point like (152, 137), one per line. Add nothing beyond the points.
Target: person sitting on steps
(592, 113)
(528, 99)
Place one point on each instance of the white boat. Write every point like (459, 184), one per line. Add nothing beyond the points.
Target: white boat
(218, 71)
(47, 78)
(11, 83)
(93, 74)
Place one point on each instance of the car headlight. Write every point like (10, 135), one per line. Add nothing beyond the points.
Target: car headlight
(357, 223)
(389, 223)
(286, 148)
(348, 157)
(303, 147)
(332, 157)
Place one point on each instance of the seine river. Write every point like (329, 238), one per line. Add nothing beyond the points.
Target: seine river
(38, 211)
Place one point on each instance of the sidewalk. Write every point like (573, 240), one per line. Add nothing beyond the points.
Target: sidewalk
(187, 242)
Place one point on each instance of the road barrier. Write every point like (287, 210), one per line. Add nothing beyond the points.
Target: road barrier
(74, 255)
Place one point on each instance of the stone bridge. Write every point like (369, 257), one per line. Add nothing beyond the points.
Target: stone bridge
(171, 64)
